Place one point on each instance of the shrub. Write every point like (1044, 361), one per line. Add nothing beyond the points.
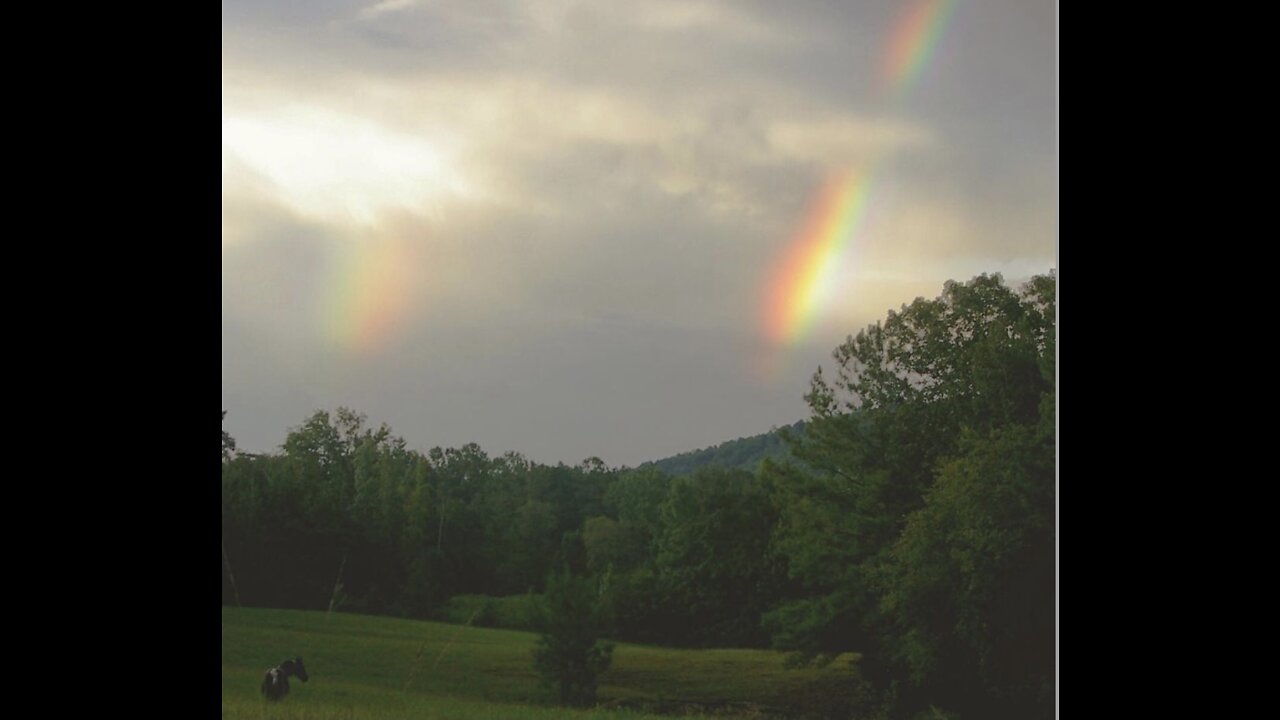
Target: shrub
(570, 655)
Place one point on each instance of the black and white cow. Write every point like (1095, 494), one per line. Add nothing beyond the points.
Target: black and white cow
(276, 683)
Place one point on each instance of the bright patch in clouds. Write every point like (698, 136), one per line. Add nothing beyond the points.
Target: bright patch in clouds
(336, 167)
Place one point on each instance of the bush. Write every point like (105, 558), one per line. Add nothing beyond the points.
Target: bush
(514, 612)
(570, 655)
(467, 610)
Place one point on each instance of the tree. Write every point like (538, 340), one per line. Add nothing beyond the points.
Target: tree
(343, 513)
(970, 582)
(636, 498)
(228, 442)
(570, 656)
(917, 528)
(611, 546)
(712, 558)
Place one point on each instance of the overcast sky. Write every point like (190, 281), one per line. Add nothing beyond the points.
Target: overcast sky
(554, 226)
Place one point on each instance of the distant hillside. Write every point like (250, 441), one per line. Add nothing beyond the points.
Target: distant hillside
(743, 453)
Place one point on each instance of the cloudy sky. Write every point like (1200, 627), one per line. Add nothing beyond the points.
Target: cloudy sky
(616, 229)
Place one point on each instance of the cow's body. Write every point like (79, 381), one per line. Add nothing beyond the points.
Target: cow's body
(275, 684)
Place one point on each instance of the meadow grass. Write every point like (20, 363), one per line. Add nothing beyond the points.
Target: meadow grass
(377, 668)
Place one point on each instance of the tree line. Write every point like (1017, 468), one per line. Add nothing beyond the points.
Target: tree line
(912, 521)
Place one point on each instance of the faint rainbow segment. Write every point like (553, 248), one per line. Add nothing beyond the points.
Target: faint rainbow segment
(372, 282)
(913, 43)
(802, 282)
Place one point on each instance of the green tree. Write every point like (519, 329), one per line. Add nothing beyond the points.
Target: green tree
(635, 498)
(609, 545)
(926, 489)
(570, 654)
(970, 582)
(713, 558)
(339, 509)
(228, 442)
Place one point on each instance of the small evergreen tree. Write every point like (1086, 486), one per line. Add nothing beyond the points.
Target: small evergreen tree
(570, 655)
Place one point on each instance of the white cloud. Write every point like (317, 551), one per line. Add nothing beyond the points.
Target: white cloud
(338, 166)
(385, 7)
(845, 139)
(713, 17)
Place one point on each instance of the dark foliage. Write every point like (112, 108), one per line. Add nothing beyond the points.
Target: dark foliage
(570, 655)
(921, 531)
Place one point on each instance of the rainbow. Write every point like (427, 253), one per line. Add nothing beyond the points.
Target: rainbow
(371, 281)
(912, 44)
(803, 279)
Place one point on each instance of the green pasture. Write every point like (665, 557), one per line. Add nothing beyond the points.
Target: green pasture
(377, 668)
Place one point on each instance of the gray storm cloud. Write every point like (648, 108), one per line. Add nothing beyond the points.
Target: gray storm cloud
(582, 206)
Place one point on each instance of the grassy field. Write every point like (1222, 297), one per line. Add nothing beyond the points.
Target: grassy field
(374, 668)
